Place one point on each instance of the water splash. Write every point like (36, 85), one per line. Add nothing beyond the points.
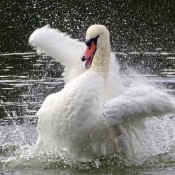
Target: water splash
(152, 144)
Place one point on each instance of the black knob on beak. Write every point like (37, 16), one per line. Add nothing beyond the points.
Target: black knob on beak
(83, 58)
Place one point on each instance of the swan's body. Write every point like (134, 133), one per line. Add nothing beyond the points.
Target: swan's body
(76, 119)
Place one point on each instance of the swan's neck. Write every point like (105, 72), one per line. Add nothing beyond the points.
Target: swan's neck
(101, 60)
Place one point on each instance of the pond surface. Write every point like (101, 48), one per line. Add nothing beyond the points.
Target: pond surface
(143, 38)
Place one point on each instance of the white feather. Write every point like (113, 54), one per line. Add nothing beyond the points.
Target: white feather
(138, 102)
(75, 119)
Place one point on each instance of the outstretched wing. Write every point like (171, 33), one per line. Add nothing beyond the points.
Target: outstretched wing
(60, 46)
(126, 112)
(142, 101)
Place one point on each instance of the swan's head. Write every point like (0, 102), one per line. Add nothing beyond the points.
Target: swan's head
(96, 36)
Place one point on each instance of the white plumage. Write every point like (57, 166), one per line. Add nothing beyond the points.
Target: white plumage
(90, 116)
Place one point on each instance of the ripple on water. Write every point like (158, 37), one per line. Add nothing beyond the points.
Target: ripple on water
(22, 76)
(38, 65)
(7, 81)
(28, 56)
(170, 58)
(7, 88)
(14, 103)
(18, 53)
(51, 83)
(20, 85)
(4, 76)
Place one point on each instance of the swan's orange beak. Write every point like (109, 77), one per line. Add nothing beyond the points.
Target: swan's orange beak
(89, 54)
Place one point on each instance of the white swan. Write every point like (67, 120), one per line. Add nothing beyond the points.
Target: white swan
(84, 118)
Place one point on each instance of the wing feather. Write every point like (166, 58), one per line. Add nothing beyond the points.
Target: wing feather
(61, 47)
(138, 102)
(127, 112)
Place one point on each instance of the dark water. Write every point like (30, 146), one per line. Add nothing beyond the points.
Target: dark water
(142, 35)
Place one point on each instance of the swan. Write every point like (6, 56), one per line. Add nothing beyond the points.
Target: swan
(93, 114)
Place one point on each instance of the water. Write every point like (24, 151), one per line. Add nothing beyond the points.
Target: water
(142, 35)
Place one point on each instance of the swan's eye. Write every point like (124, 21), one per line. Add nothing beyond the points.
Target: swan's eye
(89, 41)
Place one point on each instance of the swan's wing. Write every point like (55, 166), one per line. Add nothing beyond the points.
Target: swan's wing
(126, 112)
(142, 101)
(60, 46)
